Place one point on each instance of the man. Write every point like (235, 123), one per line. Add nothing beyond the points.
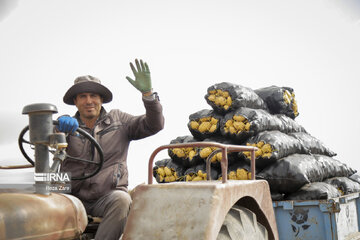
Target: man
(105, 194)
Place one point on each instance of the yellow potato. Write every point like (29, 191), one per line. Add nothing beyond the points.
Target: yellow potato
(160, 171)
(240, 126)
(212, 128)
(258, 153)
(192, 154)
(220, 101)
(228, 101)
(247, 154)
(205, 152)
(260, 144)
(232, 130)
(172, 178)
(179, 152)
(212, 91)
(225, 94)
(200, 173)
(188, 149)
(239, 118)
(214, 120)
(194, 125)
(205, 119)
(188, 178)
(218, 156)
(266, 148)
(212, 97)
(232, 175)
(167, 171)
(247, 126)
(197, 178)
(241, 174)
(229, 123)
(204, 126)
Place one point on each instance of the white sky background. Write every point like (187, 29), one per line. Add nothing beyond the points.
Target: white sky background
(312, 46)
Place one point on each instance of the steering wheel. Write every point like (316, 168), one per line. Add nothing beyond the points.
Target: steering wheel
(99, 164)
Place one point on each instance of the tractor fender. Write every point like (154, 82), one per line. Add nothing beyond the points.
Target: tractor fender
(195, 210)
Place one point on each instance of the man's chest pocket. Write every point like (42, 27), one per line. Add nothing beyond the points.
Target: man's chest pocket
(110, 139)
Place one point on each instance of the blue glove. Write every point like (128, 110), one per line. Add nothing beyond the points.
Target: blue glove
(67, 124)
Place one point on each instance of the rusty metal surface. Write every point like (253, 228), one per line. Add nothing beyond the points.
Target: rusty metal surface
(35, 216)
(189, 210)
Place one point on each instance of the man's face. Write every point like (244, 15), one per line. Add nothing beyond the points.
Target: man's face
(88, 104)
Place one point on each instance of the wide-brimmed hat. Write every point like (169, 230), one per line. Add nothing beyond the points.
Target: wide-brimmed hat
(87, 84)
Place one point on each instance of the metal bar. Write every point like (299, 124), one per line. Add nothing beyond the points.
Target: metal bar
(224, 161)
(224, 165)
(208, 163)
(252, 165)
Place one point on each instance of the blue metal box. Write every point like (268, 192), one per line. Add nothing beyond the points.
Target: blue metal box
(332, 219)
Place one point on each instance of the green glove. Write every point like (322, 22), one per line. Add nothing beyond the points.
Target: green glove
(142, 76)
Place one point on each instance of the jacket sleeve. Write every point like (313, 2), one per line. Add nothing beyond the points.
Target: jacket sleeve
(148, 124)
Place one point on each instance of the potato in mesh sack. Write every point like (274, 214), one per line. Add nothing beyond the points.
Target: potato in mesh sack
(314, 145)
(167, 170)
(289, 174)
(204, 152)
(272, 145)
(239, 170)
(224, 97)
(204, 124)
(344, 184)
(314, 191)
(198, 173)
(186, 157)
(279, 100)
(244, 122)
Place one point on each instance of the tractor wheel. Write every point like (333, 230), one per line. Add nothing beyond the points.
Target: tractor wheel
(240, 223)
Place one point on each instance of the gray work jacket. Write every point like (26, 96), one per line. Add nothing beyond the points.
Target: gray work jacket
(113, 131)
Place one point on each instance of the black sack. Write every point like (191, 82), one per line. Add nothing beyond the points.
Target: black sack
(289, 174)
(238, 170)
(204, 152)
(244, 122)
(272, 145)
(198, 173)
(186, 157)
(333, 167)
(167, 170)
(314, 145)
(289, 125)
(279, 100)
(225, 97)
(204, 124)
(314, 191)
(344, 184)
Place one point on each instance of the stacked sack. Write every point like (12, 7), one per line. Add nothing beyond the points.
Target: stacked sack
(295, 164)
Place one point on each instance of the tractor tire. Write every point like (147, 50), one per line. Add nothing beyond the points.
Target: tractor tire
(240, 223)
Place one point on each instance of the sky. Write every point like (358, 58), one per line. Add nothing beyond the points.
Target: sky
(311, 46)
